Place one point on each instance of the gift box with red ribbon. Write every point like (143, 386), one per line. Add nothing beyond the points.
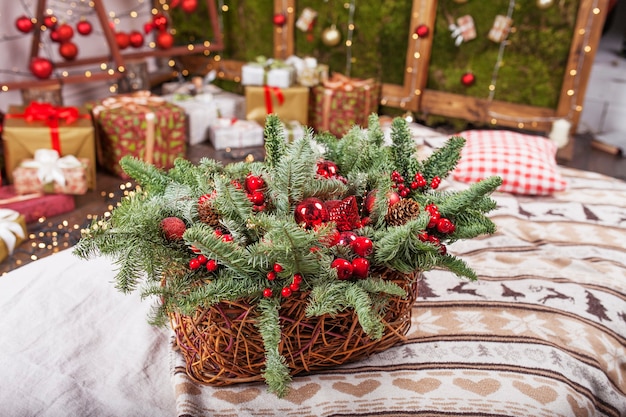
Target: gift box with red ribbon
(67, 130)
(140, 125)
(49, 173)
(341, 102)
(287, 103)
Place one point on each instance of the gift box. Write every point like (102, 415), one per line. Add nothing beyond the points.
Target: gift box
(37, 205)
(233, 133)
(49, 173)
(12, 231)
(140, 125)
(67, 130)
(309, 72)
(230, 105)
(342, 102)
(271, 72)
(500, 29)
(287, 103)
(201, 110)
(293, 130)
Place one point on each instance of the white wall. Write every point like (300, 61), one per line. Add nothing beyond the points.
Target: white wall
(15, 53)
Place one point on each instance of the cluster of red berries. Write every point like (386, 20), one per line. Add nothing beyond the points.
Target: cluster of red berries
(254, 186)
(328, 169)
(287, 290)
(439, 224)
(418, 182)
(358, 267)
(201, 260)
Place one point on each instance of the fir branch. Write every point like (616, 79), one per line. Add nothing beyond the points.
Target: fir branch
(402, 148)
(375, 134)
(225, 286)
(234, 207)
(443, 160)
(358, 299)
(274, 140)
(470, 197)
(276, 372)
(151, 179)
(456, 266)
(327, 298)
(381, 286)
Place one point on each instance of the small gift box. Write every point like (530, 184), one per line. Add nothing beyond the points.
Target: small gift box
(230, 105)
(467, 29)
(12, 231)
(288, 103)
(49, 173)
(308, 72)
(141, 125)
(37, 205)
(232, 133)
(500, 29)
(271, 72)
(342, 102)
(67, 130)
(293, 130)
(201, 110)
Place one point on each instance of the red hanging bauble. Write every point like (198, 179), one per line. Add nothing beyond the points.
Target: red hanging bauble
(84, 27)
(468, 79)
(68, 50)
(164, 40)
(189, 6)
(41, 68)
(50, 21)
(422, 31)
(122, 39)
(54, 36)
(159, 21)
(24, 24)
(65, 32)
(147, 27)
(136, 39)
(279, 19)
(311, 212)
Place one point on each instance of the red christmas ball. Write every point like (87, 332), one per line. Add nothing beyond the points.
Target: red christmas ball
(422, 31)
(189, 6)
(135, 39)
(65, 32)
(279, 19)
(84, 27)
(49, 21)
(327, 169)
(362, 245)
(122, 39)
(159, 21)
(41, 68)
(54, 36)
(346, 238)
(147, 27)
(344, 268)
(68, 50)
(393, 198)
(254, 183)
(24, 24)
(468, 79)
(164, 40)
(311, 212)
(360, 267)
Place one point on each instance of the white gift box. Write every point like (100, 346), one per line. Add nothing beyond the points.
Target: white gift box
(253, 74)
(230, 105)
(269, 74)
(201, 110)
(231, 133)
(293, 130)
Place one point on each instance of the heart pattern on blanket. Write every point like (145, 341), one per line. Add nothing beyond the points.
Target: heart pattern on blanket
(300, 395)
(577, 410)
(237, 397)
(544, 394)
(187, 388)
(483, 387)
(422, 386)
(358, 390)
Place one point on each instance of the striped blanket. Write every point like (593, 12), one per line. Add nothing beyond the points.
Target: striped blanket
(542, 333)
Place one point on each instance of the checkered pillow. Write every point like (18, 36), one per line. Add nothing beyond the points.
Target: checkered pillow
(526, 163)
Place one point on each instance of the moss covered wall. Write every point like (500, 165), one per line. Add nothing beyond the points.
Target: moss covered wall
(534, 59)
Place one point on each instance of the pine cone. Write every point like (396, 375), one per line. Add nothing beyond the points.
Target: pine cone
(207, 214)
(404, 210)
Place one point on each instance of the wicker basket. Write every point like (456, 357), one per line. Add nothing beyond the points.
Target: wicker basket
(221, 345)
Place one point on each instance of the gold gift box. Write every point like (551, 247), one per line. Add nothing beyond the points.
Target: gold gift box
(293, 106)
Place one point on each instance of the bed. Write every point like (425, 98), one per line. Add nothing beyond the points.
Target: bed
(541, 333)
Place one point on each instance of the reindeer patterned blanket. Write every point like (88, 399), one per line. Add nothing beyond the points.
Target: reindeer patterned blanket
(542, 333)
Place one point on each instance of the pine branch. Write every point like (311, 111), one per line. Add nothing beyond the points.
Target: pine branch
(470, 197)
(274, 140)
(402, 148)
(151, 179)
(375, 134)
(443, 160)
(276, 372)
(234, 207)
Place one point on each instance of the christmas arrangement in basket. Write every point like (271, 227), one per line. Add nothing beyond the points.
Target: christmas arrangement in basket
(308, 259)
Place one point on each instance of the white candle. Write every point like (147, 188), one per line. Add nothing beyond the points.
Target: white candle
(560, 132)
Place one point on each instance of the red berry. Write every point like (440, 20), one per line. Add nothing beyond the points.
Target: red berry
(423, 236)
(442, 249)
(360, 267)
(254, 183)
(202, 259)
(294, 287)
(434, 183)
(194, 263)
(393, 198)
(434, 219)
(277, 268)
(445, 225)
(362, 246)
(257, 197)
(211, 265)
(431, 208)
(286, 292)
(343, 267)
(297, 278)
(414, 185)
(271, 275)
(434, 240)
(267, 292)
(404, 192)
(227, 238)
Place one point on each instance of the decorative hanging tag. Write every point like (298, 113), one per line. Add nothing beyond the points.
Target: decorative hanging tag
(500, 29)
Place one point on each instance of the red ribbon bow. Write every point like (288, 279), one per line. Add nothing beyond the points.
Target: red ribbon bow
(51, 115)
(269, 108)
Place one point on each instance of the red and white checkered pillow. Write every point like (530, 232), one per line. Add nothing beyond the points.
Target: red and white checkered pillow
(526, 163)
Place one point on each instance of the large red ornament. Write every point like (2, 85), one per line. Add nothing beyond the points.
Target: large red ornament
(311, 212)
(147, 27)
(422, 31)
(468, 79)
(122, 39)
(279, 19)
(54, 36)
(159, 21)
(189, 6)
(49, 21)
(135, 39)
(68, 50)
(164, 40)
(65, 32)
(84, 27)
(327, 169)
(41, 68)
(24, 24)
